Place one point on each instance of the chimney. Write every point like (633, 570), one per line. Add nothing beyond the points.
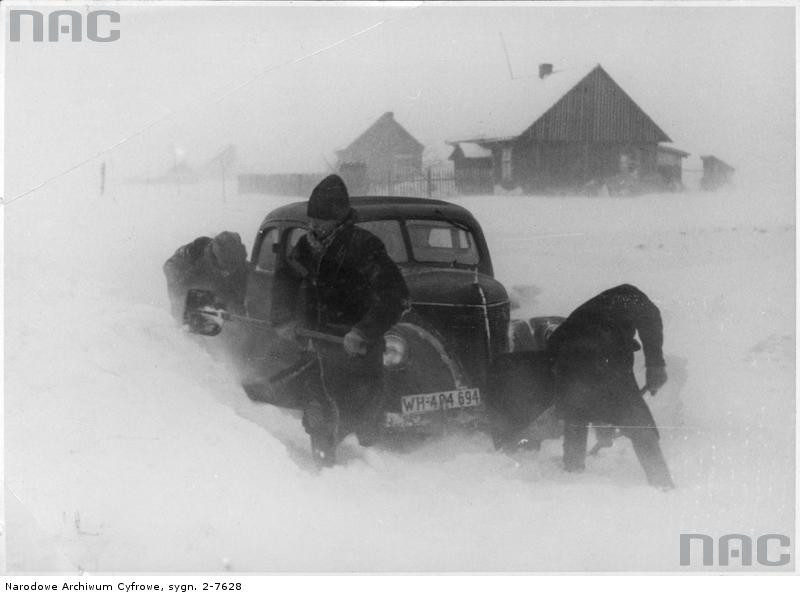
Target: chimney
(545, 70)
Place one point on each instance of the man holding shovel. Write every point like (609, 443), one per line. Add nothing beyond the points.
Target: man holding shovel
(352, 290)
(592, 352)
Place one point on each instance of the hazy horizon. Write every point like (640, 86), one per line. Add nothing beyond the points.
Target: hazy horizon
(290, 85)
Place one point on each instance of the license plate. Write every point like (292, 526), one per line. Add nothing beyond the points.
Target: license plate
(443, 400)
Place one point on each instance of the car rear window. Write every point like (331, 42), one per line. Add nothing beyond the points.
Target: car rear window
(441, 242)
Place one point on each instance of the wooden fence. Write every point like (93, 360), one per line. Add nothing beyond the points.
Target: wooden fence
(432, 182)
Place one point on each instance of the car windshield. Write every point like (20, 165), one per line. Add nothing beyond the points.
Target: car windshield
(441, 242)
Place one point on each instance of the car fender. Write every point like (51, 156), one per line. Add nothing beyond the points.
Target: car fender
(430, 365)
(431, 368)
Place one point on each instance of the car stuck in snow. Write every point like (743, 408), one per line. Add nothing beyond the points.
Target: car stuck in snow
(455, 358)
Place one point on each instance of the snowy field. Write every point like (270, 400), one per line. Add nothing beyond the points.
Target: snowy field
(128, 449)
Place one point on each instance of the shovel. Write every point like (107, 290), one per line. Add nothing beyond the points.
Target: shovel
(201, 304)
(226, 316)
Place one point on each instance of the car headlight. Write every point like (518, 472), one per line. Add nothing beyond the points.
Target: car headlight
(395, 354)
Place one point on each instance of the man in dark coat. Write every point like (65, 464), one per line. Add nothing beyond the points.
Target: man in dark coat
(218, 264)
(351, 289)
(593, 354)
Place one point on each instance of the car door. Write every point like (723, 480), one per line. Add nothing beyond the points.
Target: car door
(262, 275)
(286, 300)
(267, 353)
(271, 295)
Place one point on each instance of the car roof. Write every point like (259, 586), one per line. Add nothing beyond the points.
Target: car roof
(370, 208)
(377, 207)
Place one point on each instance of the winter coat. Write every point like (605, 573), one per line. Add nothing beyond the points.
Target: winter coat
(605, 326)
(592, 355)
(594, 381)
(349, 282)
(192, 266)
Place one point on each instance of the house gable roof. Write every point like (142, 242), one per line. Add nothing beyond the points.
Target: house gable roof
(384, 131)
(526, 101)
(546, 109)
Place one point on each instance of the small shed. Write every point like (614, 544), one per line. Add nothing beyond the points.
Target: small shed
(473, 168)
(669, 162)
(385, 150)
(716, 172)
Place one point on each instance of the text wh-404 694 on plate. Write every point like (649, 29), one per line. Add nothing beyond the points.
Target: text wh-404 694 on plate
(443, 400)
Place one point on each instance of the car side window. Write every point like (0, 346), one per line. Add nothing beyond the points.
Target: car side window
(267, 257)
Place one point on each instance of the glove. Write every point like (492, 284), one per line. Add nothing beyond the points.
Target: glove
(656, 376)
(355, 343)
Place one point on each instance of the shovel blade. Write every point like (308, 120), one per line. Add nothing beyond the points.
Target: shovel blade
(202, 323)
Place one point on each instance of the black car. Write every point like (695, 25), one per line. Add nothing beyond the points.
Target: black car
(450, 353)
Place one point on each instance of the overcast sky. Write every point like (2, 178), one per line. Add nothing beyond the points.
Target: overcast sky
(289, 85)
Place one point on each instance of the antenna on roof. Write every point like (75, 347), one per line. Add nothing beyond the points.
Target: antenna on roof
(508, 59)
(545, 69)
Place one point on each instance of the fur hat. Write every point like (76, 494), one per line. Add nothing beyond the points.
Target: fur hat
(229, 251)
(329, 199)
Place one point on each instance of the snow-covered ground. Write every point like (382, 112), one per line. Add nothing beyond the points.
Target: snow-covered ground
(129, 449)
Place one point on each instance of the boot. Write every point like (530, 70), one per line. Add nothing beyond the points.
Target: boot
(316, 422)
(323, 450)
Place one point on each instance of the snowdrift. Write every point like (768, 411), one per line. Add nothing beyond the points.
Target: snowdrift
(128, 448)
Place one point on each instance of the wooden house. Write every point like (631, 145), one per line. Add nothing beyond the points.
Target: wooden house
(567, 129)
(385, 150)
